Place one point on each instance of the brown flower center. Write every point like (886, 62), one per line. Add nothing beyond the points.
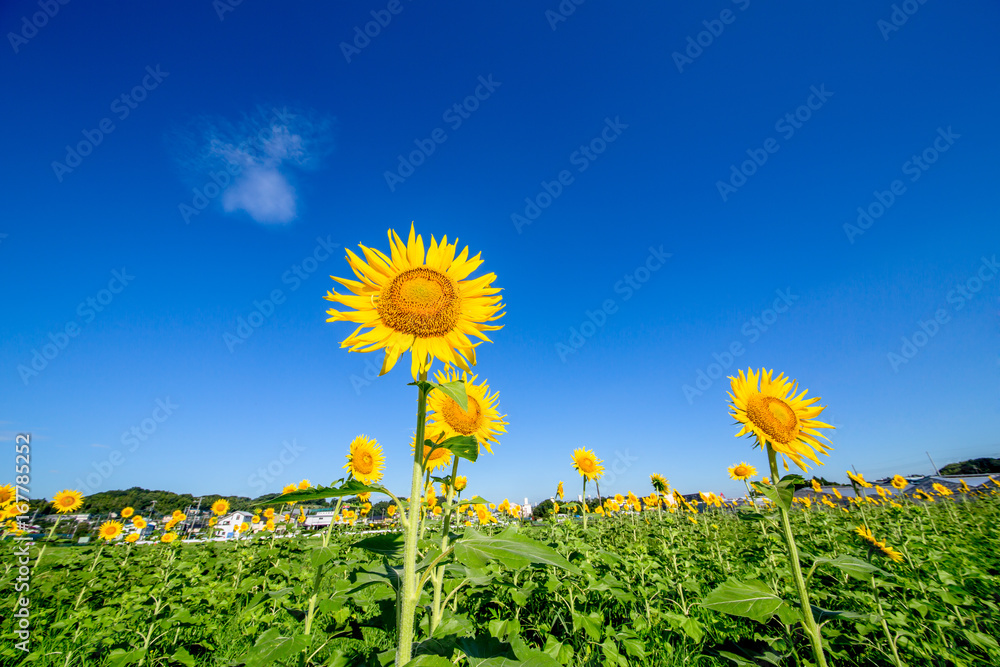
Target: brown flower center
(773, 416)
(364, 463)
(466, 422)
(421, 302)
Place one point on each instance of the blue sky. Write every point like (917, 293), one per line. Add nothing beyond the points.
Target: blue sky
(688, 179)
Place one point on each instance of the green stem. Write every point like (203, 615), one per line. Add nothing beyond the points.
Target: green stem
(885, 626)
(409, 594)
(584, 508)
(808, 622)
(437, 607)
(42, 550)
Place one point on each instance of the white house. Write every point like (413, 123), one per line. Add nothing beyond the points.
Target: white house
(226, 525)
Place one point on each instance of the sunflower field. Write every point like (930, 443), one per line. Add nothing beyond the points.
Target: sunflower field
(883, 577)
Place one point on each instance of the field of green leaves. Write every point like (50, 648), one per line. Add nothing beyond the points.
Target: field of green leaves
(638, 588)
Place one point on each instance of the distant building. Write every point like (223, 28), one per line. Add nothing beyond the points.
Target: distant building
(226, 525)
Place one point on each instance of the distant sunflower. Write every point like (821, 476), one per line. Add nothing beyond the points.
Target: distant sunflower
(419, 301)
(461, 482)
(587, 464)
(243, 527)
(816, 485)
(67, 501)
(481, 419)
(941, 489)
(127, 512)
(836, 492)
(167, 538)
(559, 491)
(132, 538)
(742, 471)
(770, 410)
(304, 484)
(866, 534)
(365, 496)
(660, 483)
(269, 525)
(139, 522)
(899, 482)
(109, 530)
(269, 513)
(178, 516)
(365, 460)
(391, 510)
(220, 507)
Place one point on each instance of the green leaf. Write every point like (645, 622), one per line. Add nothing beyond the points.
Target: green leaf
(982, 640)
(852, 566)
(385, 544)
(752, 599)
(822, 615)
(463, 446)
(512, 549)
(321, 555)
(477, 500)
(272, 648)
(350, 488)
(455, 391)
(429, 661)
(182, 656)
(590, 623)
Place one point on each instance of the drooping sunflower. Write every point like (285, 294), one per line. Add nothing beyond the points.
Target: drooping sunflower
(365, 460)
(836, 492)
(482, 419)
(659, 482)
(109, 530)
(435, 458)
(220, 507)
(866, 534)
(67, 501)
(816, 486)
(167, 538)
(132, 538)
(139, 522)
(941, 489)
(587, 464)
(899, 482)
(771, 410)
(859, 479)
(742, 471)
(419, 301)
(559, 491)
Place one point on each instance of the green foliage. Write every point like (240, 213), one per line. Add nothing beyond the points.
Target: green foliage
(984, 466)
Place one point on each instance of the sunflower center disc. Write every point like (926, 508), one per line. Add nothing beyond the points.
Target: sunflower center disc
(465, 422)
(420, 302)
(364, 463)
(774, 417)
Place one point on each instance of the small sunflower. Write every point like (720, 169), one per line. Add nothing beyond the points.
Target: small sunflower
(742, 471)
(132, 538)
(770, 410)
(859, 479)
(127, 512)
(109, 530)
(765, 480)
(559, 491)
(838, 494)
(899, 482)
(391, 510)
(243, 527)
(365, 497)
(481, 419)
(269, 525)
(67, 501)
(302, 518)
(304, 484)
(365, 460)
(220, 507)
(963, 487)
(866, 534)
(139, 522)
(419, 301)
(167, 538)
(941, 489)
(587, 464)
(660, 483)
(269, 513)
(816, 485)
(178, 516)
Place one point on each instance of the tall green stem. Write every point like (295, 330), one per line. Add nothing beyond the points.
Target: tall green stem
(808, 621)
(409, 594)
(437, 608)
(584, 508)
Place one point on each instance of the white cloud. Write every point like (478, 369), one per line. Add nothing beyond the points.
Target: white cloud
(259, 156)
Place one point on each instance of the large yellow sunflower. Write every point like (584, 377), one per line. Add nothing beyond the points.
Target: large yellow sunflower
(109, 530)
(139, 522)
(899, 482)
(417, 300)
(6, 494)
(770, 410)
(365, 460)
(482, 419)
(220, 507)
(742, 471)
(587, 464)
(67, 501)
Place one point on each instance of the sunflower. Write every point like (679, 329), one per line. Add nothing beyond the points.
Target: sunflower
(269, 525)
(418, 301)
(587, 464)
(483, 514)
(481, 419)
(109, 530)
(304, 484)
(777, 417)
(866, 534)
(941, 489)
(963, 487)
(243, 527)
(837, 493)
(559, 491)
(765, 480)
(178, 516)
(138, 522)
(167, 538)
(859, 479)
(816, 485)
(127, 512)
(365, 497)
(461, 482)
(660, 483)
(742, 471)
(170, 524)
(391, 510)
(6, 494)
(67, 501)
(439, 457)
(302, 518)
(899, 482)
(132, 538)
(365, 460)
(619, 498)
